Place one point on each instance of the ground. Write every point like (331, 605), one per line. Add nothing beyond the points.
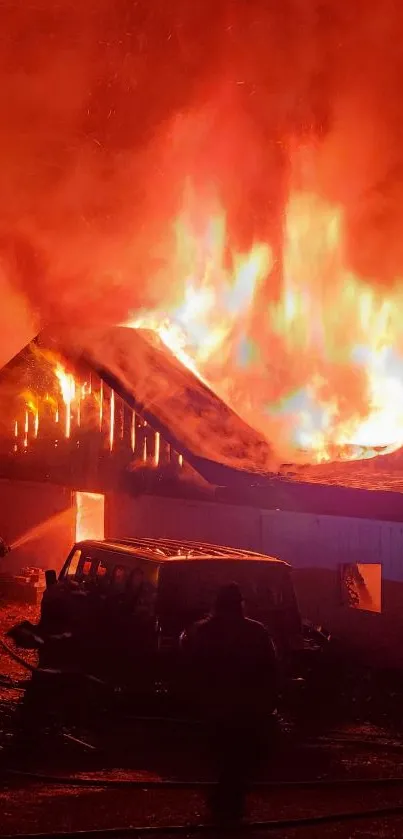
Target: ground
(342, 744)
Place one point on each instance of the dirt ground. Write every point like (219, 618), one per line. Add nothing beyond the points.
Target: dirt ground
(344, 751)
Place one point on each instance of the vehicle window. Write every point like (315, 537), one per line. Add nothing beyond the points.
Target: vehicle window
(102, 574)
(73, 564)
(85, 566)
(145, 569)
(143, 593)
(191, 588)
(136, 580)
(119, 577)
(102, 569)
(267, 596)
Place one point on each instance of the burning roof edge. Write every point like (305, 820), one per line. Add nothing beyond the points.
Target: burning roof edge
(266, 489)
(199, 425)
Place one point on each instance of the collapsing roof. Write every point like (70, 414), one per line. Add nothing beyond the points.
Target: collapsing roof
(218, 444)
(199, 425)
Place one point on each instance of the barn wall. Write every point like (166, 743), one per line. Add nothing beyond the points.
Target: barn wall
(41, 513)
(314, 545)
(304, 540)
(149, 515)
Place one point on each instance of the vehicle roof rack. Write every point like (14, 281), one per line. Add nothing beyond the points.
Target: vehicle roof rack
(177, 548)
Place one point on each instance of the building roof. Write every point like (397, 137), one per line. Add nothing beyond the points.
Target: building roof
(225, 450)
(229, 455)
(199, 425)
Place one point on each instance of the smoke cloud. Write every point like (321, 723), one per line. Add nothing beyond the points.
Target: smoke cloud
(87, 94)
(109, 106)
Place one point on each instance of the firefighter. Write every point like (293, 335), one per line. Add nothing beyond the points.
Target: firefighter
(54, 612)
(231, 664)
(4, 548)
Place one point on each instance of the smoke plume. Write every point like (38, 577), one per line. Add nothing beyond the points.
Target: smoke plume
(107, 106)
(110, 106)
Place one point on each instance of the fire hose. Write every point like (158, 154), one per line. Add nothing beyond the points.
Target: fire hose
(21, 685)
(16, 657)
(45, 670)
(272, 825)
(188, 829)
(144, 784)
(193, 784)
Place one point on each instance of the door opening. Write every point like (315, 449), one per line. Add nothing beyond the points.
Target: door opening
(90, 515)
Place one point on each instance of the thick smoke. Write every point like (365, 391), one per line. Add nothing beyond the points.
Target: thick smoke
(109, 106)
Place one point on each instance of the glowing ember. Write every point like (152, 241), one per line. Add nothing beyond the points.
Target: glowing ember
(112, 420)
(157, 449)
(101, 406)
(80, 399)
(68, 389)
(26, 427)
(69, 392)
(133, 431)
(316, 365)
(31, 408)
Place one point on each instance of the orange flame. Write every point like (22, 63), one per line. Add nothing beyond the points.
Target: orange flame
(26, 428)
(319, 370)
(72, 393)
(68, 389)
(112, 421)
(133, 431)
(157, 449)
(31, 408)
(101, 405)
(215, 300)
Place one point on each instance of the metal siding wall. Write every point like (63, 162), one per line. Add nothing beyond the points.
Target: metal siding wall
(177, 518)
(207, 522)
(392, 551)
(307, 540)
(313, 545)
(299, 538)
(302, 539)
(24, 506)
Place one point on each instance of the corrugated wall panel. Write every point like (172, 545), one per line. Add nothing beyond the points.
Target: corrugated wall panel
(314, 545)
(304, 540)
(40, 520)
(171, 518)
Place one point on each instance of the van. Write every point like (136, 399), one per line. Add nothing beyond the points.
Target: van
(175, 583)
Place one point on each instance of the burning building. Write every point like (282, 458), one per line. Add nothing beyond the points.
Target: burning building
(246, 211)
(178, 423)
(134, 443)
